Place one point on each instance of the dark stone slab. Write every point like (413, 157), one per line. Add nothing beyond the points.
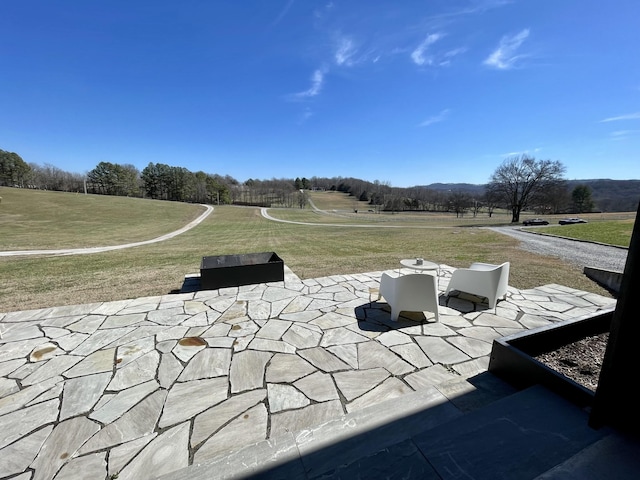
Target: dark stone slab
(615, 456)
(377, 443)
(521, 436)
(400, 461)
(488, 389)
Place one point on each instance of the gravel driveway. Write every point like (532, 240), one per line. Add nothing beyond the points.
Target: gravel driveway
(583, 254)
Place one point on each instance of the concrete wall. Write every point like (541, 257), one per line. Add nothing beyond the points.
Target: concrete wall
(605, 278)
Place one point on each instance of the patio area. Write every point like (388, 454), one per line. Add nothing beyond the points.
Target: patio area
(140, 388)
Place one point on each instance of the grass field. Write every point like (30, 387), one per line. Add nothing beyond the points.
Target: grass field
(37, 219)
(612, 232)
(309, 250)
(342, 209)
(332, 200)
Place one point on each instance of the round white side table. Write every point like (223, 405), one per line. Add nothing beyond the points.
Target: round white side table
(424, 266)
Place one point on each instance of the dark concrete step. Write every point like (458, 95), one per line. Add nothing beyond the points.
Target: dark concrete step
(521, 436)
(614, 456)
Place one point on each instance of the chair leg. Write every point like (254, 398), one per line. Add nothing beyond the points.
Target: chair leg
(492, 302)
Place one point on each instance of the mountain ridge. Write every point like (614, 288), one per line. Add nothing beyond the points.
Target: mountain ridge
(608, 195)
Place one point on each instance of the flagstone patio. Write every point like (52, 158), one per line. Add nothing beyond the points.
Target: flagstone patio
(144, 387)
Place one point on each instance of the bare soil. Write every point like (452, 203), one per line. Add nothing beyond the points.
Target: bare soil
(580, 361)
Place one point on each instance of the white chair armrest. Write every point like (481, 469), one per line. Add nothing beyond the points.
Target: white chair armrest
(483, 266)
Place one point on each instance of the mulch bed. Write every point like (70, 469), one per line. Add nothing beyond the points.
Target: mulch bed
(580, 361)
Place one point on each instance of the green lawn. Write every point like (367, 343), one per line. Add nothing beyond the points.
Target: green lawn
(158, 269)
(404, 219)
(612, 232)
(333, 200)
(38, 219)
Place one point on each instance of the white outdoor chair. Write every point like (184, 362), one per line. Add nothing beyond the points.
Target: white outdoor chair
(415, 292)
(483, 280)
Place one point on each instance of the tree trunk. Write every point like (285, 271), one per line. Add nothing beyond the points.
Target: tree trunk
(515, 214)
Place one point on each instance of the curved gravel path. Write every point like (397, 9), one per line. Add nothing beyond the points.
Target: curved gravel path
(83, 251)
(584, 254)
(580, 253)
(264, 212)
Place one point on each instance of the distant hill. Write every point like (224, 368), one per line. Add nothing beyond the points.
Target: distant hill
(608, 195)
(456, 187)
(612, 195)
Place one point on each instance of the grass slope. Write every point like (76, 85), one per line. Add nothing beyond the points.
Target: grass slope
(38, 219)
(332, 200)
(309, 250)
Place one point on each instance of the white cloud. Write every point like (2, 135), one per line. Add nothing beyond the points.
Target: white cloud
(505, 56)
(519, 153)
(454, 52)
(282, 13)
(479, 6)
(436, 118)
(450, 54)
(345, 51)
(317, 80)
(306, 115)
(624, 134)
(629, 116)
(322, 11)
(419, 54)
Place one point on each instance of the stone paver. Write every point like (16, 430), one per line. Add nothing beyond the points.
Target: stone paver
(143, 387)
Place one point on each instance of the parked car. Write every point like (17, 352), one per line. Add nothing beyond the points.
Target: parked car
(535, 221)
(571, 221)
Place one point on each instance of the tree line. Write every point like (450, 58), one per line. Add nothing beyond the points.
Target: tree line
(519, 184)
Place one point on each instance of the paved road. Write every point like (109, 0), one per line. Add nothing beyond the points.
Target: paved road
(584, 254)
(84, 251)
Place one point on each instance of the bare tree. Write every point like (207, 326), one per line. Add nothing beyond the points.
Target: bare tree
(520, 181)
(476, 207)
(491, 201)
(554, 199)
(303, 198)
(460, 202)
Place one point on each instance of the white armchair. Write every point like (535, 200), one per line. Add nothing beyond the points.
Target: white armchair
(416, 292)
(483, 280)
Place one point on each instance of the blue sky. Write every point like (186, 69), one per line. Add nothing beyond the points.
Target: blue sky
(405, 92)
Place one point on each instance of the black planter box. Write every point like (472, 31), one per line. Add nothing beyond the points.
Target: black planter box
(244, 269)
(512, 356)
